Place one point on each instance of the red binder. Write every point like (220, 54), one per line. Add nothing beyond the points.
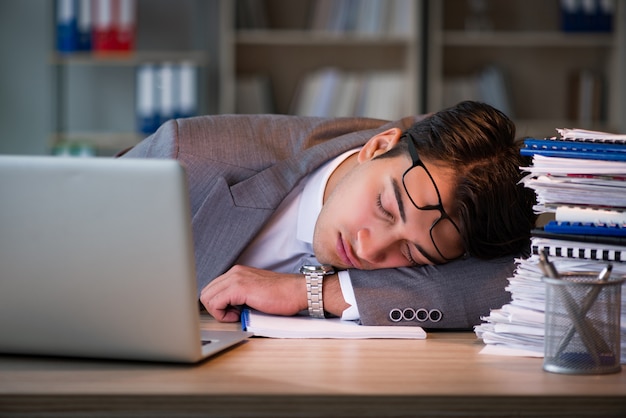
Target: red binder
(114, 23)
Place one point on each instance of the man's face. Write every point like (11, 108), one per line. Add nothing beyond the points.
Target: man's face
(368, 222)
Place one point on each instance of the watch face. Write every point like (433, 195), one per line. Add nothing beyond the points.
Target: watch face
(317, 268)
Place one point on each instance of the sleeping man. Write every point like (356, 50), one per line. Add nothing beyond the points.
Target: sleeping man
(409, 222)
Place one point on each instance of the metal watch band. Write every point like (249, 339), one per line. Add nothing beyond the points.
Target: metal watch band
(314, 283)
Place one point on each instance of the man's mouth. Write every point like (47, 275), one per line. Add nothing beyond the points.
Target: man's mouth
(345, 254)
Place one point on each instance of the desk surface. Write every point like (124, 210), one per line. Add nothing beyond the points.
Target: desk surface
(443, 375)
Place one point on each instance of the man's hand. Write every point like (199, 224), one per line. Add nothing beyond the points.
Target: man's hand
(265, 291)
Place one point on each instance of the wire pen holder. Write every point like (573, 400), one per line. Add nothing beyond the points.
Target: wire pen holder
(582, 326)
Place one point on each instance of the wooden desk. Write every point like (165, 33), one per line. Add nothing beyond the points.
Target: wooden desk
(441, 376)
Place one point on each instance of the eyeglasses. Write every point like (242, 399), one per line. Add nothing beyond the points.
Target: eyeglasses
(444, 233)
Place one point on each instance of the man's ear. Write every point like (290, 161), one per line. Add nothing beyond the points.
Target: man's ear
(379, 144)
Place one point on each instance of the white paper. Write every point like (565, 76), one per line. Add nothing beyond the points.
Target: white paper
(556, 165)
(500, 350)
(264, 325)
(567, 133)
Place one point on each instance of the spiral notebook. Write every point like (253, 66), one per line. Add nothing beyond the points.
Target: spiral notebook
(578, 249)
(585, 228)
(584, 149)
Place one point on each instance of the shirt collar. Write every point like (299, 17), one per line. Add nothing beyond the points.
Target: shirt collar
(312, 198)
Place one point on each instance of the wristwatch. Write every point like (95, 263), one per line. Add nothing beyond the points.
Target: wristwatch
(314, 275)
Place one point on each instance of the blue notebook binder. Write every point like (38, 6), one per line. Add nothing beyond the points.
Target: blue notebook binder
(540, 232)
(585, 229)
(585, 149)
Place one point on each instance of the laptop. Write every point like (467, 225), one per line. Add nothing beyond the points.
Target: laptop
(96, 260)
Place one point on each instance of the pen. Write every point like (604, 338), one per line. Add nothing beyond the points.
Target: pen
(547, 266)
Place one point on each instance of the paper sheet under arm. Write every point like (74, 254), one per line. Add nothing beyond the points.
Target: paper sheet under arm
(263, 325)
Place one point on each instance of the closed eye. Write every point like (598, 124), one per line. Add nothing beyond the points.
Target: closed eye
(406, 250)
(408, 256)
(382, 209)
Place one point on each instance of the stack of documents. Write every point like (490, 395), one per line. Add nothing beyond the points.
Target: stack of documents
(580, 178)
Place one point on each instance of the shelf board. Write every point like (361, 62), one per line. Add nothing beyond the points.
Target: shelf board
(134, 58)
(317, 38)
(526, 39)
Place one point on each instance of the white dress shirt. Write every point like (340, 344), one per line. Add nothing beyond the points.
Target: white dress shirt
(278, 249)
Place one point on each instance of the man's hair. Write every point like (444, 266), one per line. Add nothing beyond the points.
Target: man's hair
(477, 141)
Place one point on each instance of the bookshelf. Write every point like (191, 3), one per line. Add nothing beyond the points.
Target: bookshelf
(94, 95)
(275, 55)
(543, 68)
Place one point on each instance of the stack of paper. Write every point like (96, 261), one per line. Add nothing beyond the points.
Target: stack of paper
(587, 196)
(517, 328)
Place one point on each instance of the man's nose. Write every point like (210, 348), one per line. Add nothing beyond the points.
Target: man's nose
(374, 246)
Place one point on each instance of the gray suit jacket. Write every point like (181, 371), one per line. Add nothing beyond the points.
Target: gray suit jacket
(240, 167)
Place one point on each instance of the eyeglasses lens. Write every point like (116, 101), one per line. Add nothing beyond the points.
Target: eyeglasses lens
(444, 233)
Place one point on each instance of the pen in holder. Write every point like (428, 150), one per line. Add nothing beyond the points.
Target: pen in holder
(582, 326)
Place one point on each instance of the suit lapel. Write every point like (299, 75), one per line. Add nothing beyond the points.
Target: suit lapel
(221, 230)
(231, 216)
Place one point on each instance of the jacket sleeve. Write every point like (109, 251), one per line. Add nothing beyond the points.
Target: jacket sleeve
(451, 296)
